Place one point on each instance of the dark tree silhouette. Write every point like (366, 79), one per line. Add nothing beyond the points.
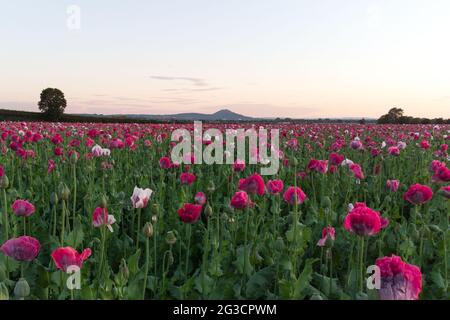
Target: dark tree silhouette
(52, 103)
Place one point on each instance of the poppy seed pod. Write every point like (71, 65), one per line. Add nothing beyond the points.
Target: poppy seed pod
(148, 230)
(103, 202)
(63, 191)
(154, 218)
(211, 187)
(4, 182)
(54, 199)
(124, 271)
(171, 238)
(22, 289)
(208, 210)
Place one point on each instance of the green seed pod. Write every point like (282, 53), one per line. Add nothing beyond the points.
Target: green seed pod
(124, 271)
(316, 296)
(4, 292)
(208, 210)
(211, 187)
(171, 238)
(294, 162)
(148, 230)
(54, 198)
(4, 182)
(63, 191)
(22, 289)
(155, 209)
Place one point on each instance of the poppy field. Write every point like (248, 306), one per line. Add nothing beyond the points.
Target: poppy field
(105, 208)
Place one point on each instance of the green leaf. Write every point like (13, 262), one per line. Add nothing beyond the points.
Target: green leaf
(303, 280)
(259, 282)
(133, 262)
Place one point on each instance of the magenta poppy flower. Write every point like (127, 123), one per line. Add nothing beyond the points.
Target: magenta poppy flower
(200, 198)
(442, 174)
(275, 186)
(100, 217)
(399, 280)
(327, 232)
(418, 194)
(424, 144)
(187, 178)
(240, 200)
(394, 151)
(336, 159)
(363, 220)
(165, 163)
(357, 171)
(252, 185)
(293, 195)
(190, 213)
(23, 248)
(23, 208)
(392, 185)
(65, 257)
(239, 165)
(445, 191)
(320, 166)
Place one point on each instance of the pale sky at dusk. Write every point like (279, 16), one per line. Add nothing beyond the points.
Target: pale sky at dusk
(257, 57)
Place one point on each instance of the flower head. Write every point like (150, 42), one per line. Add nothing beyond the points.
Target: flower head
(23, 208)
(65, 257)
(23, 248)
(294, 195)
(418, 194)
(190, 213)
(399, 280)
(100, 217)
(363, 220)
(140, 197)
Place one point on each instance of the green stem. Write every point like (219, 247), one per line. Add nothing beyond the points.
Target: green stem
(147, 258)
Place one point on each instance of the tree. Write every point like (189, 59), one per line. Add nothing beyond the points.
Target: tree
(393, 116)
(52, 103)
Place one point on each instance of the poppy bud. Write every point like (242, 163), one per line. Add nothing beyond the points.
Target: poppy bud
(63, 191)
(294, 162)
(103, 202)
(316, 296)
(148, 230)
(53, 198)
(171, 238)
(4, 182)
(211, 187)
(4, 293)
(22, 289)
(154, 218)
(208, 210)
(124, 271)
(155, 209)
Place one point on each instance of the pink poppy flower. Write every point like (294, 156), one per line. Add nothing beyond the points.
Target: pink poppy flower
(418, 194)
(100, 217)
(23, 248)
(240, 200)
(326, 232)
(363, 220)
(190, 213)
(187, 178)
(275, 186)
(200, 198)
(252, 185)
(23, 208)
(392, 185)
(65, 257)
(399, 280)
(293, 195)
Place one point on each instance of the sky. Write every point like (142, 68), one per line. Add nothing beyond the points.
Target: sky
(284, 58)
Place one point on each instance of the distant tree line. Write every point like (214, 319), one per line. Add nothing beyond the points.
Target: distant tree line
(395, 115)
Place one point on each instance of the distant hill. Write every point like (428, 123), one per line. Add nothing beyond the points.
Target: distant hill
(221, 115)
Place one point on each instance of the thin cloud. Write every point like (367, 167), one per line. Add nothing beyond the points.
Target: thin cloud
(195, 81)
